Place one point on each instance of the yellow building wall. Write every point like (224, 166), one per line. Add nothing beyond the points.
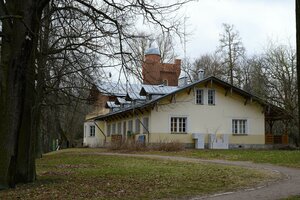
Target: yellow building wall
(132, 117)
(205, 119)
(94, 141)
(208, 119)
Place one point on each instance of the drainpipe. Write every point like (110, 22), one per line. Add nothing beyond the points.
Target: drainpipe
(101, 132)
(148, 133)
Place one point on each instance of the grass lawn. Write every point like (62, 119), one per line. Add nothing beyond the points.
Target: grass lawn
(276, 157)
(80, 174)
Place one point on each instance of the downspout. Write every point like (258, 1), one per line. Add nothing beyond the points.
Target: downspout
(101, 132)
(148, 133)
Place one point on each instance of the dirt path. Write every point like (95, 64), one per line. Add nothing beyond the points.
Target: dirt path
(287, 186)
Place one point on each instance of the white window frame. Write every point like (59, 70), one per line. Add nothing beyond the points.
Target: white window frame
(196, 96)
(178, 118)
(237, 130)
(92, 130)
(214, 97)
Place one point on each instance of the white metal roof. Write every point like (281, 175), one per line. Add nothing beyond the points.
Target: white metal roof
(157, 89)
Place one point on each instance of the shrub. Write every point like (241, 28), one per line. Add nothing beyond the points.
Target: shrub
(131, 145)
(169, 146)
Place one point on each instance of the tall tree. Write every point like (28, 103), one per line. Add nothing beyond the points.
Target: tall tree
(232, 51)
(103, 28)
(20, 27)
(211, 65)
(298, 57)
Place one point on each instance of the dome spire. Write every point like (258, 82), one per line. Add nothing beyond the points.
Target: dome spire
(153, 48)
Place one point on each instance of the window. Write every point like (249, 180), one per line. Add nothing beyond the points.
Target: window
(130, 124)
(124, 128)
(113, 128)
(199, 96)
(137, 126)
(165, 82)
(178, 124)
(145, 125)
(211, 97)
(92, 131)
(239, 126)
(108, 130)
(119, 128)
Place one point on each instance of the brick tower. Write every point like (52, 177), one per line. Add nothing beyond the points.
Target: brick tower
(156, 73)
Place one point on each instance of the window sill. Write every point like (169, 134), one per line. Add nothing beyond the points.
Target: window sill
(239, 134)
(178, 132)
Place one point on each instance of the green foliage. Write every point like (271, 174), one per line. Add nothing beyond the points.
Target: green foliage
(84, 174)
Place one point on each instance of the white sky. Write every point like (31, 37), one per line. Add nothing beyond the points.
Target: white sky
(258, 21)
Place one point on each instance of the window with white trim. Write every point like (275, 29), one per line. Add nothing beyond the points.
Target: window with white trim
(199, 96)
(137, 126)
(108, 130)
(145, 125)
(211, 97)
(92, 130)
(178, 125)
(239, 126)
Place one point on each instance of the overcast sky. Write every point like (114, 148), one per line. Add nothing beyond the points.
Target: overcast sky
(258, 21)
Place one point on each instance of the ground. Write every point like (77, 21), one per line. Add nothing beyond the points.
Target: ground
(88, 174)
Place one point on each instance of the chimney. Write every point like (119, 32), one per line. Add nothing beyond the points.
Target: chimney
(201, 74)
(183, 81)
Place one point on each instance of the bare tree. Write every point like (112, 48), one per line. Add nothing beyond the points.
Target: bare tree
(104, 28)
(232, 52)
(210, 63)
(298, 56)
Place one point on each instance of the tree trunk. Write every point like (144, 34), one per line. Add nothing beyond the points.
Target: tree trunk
(17, 84)
(298, 59)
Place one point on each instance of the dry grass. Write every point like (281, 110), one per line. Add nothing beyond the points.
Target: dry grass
(82, 174)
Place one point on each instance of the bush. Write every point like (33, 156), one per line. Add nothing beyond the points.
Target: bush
(128, 146)
(132, 145)
(169, 146)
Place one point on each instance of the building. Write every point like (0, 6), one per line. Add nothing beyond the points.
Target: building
(208, 113)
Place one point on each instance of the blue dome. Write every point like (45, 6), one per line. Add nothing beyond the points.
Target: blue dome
(152, 51)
